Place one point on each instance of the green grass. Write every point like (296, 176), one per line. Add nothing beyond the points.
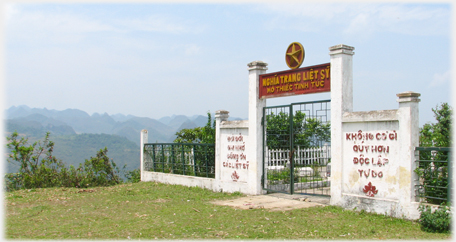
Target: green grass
(150, 211)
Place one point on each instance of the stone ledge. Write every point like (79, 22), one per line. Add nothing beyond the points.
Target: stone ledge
(234, 124)
(370, 116)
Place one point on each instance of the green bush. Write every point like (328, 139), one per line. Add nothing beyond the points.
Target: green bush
(281, 175)
(438, 221)
(38, 168)
(133, 176)
(97, 171)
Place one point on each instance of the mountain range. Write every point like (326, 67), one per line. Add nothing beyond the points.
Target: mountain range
(78, 135)
(75, 121)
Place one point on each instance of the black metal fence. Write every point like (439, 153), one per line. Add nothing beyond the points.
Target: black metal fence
(180, 158)
(434, 172)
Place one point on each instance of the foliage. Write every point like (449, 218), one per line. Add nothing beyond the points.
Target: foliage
(434, 175)
(133, 176)
(281, 175)
(97, 171)
(284, 175)
(39, 168)
(434, 179)
(308, 132)
(74, 149)
(205, 135)
(438, 134)
(438, 221)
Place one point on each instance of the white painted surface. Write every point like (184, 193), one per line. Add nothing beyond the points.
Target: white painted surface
(255, 140)
(394, 188)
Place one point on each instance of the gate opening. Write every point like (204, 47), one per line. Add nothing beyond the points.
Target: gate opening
(297, 148)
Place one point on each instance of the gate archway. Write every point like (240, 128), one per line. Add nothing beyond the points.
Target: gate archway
(297, 148)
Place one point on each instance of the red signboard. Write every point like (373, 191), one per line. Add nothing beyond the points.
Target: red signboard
(311, 79)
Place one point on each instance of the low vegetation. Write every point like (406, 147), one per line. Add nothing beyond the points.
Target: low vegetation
(39, 168)
(149, 211)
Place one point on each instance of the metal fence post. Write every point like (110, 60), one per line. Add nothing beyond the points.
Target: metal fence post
(172, 159)
(205, 158)
(450, 177)
(183, 160)
(153, 156)
(194, 161)
(291, 151)
(163, 157)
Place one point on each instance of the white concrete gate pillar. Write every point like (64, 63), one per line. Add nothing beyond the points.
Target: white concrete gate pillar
(408, 114)
(256, 105)
(341, 102)
(220, 115)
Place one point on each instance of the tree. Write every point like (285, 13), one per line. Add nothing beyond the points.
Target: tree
(438, 134)
(204, 135)
(100, 170)
(204, 155)
(433, 170)
(307, 132)
(38, 168)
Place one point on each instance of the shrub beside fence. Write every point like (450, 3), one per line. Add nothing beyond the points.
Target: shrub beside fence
(434, 174)
(181, 158)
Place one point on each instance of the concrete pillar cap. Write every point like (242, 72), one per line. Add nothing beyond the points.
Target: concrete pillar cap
(257, 65)
(408, 96)
(341, 49)
(341, 46)
(221, 114)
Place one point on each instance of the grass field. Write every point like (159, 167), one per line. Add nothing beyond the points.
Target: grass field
(150, 211)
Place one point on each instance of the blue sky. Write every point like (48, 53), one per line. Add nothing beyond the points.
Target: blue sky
(156, 59)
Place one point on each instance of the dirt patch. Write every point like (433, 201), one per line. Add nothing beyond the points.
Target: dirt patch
(268, 202)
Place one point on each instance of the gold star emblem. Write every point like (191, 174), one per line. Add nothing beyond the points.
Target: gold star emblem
(294, 55)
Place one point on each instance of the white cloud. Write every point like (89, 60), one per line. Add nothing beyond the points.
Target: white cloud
(424, 19)
(440, 79)
(65, 26)
(158, 23)
(61, 22)
(35, 26)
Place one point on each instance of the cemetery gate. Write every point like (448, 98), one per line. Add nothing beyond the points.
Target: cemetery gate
(296, 148)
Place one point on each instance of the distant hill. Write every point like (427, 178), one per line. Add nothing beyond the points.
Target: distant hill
(78, 135)
(75, 149)
(128, 126)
